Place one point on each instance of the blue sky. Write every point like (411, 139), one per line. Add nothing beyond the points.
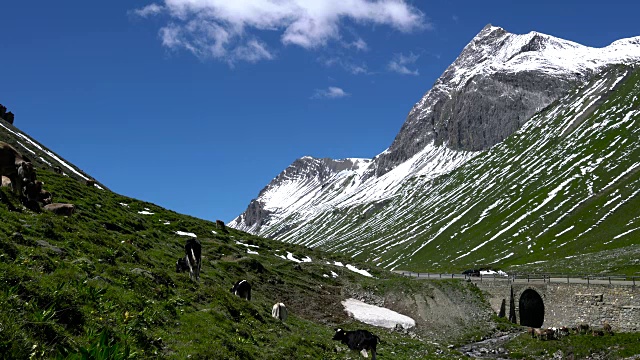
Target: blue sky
(195, 105)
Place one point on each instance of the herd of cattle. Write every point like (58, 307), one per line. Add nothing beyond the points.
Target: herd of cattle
(557, 333)
(358, 340)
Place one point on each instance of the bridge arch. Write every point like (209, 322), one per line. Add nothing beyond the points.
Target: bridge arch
(531, 309)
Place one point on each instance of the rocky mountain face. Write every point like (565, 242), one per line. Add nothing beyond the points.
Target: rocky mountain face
(301, 179)
(497, 86)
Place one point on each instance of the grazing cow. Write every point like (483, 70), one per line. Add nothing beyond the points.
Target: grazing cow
(220, 225)
(583, 328)
(15, 167)
(90, 182)
(193, 258)
(242, 288)
(181, 264)
(61, 209)
(607, 328)
(360, 340)
(539, 333)
(550, 333)
(563, 331)
(597, 332)
(279, 311)
(34, 192)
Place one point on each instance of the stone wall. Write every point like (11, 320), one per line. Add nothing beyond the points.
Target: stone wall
(572, 304)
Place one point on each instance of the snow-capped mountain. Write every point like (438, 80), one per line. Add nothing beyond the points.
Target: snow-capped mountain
(403, 198)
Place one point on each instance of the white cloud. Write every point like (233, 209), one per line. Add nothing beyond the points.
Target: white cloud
(149, 10)
(399, 64)
(346, 64)
(358, 45)
(228, 30)
(331, 92)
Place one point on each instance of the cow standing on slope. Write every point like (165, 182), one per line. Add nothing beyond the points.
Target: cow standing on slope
(358, 340)
(192, 259)
(15, 167)
(242, 288)
(279, 311)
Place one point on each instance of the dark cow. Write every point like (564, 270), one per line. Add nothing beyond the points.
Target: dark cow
(279, 311)
(15, 167)
(193, 258)
(220, 225)
(242, 288)
(181, 265)
(359, 340)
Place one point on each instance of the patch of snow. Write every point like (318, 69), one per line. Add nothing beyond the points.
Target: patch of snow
(247, 245)
(145, 212)
(125, 205)
(356, 270)
(249, 251)
(293, 258)
(183, 233)
(375, 315)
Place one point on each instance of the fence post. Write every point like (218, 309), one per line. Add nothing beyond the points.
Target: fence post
(452, 275)
(440, 275)
(609, 280)
(527, 277)
(587, 280)
(634, 280)
(567, 279)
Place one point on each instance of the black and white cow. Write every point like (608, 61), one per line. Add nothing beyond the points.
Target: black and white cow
(360, 340)
(193, 258)
(279, 311)
(242, 288)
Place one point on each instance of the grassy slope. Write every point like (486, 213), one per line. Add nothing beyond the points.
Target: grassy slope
(102, 284)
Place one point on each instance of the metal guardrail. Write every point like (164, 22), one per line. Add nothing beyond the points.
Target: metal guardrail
(533, 278)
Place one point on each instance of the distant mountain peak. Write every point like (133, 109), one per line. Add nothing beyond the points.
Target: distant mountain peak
(497, 83)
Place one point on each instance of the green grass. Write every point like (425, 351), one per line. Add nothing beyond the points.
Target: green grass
(101, 284)
(617, 346)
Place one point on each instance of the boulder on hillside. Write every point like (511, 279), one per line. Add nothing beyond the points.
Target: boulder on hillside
(60, 209)
(6, 115)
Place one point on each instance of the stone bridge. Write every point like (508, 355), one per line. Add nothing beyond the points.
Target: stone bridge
(554, 304)
(554, 301)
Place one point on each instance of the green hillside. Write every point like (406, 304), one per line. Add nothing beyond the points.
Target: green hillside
(101, 284)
